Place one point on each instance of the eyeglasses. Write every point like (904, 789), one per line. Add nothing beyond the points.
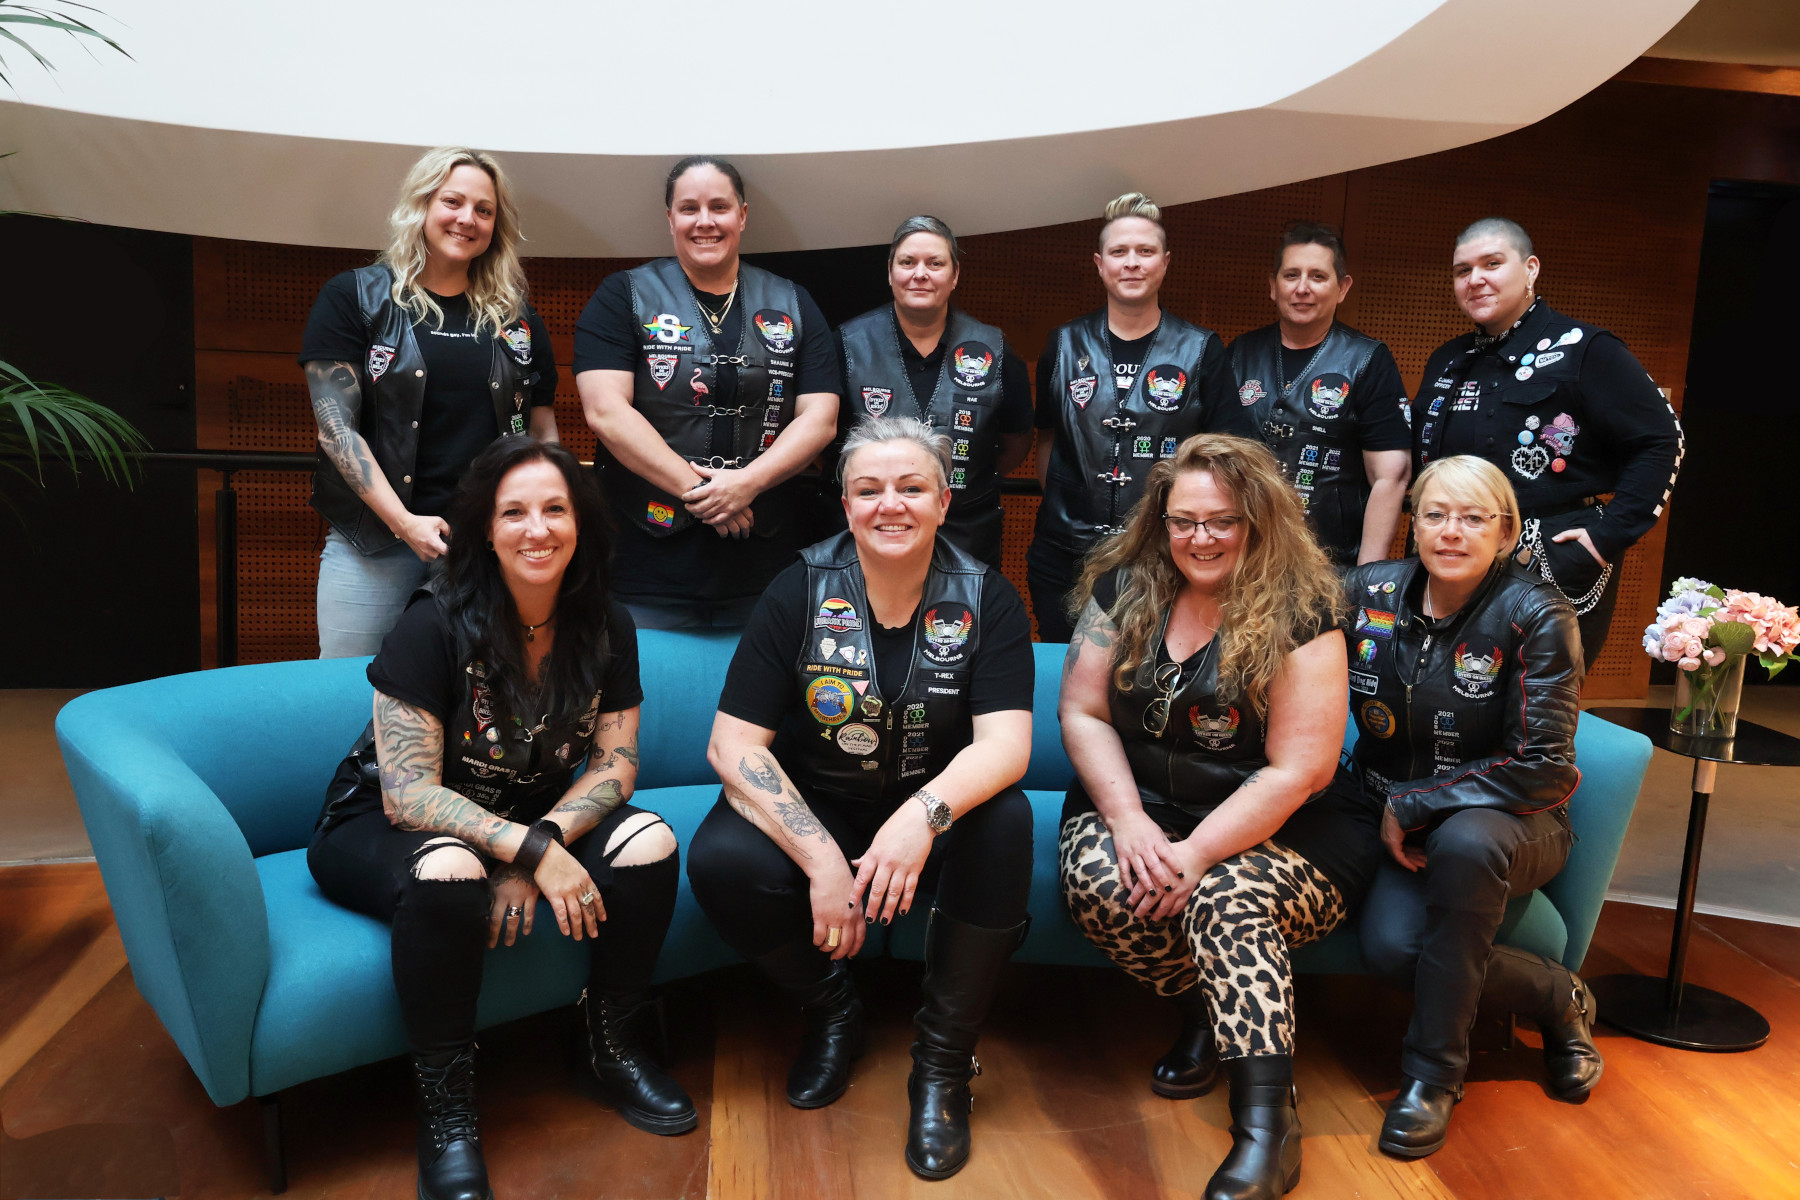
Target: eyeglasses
(1471, 522)
(1156, 715)
(1221, 529)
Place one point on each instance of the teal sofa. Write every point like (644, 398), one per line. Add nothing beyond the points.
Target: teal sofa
(199, 793)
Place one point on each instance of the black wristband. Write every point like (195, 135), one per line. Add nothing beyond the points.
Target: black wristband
(553, 829)
(532, 849)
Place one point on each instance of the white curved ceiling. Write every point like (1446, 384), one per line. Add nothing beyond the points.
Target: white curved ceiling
(294, 123)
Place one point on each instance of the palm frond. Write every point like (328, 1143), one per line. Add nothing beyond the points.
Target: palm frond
(47, 419)
(58, 18)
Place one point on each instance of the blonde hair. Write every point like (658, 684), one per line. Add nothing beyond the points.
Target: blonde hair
(872, 431)
(1282, 589)
(1132, 204)
(496, 280)
(1477, 483)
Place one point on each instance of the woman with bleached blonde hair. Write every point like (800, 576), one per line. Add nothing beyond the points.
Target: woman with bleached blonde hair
(1210, 827)
(414, 364)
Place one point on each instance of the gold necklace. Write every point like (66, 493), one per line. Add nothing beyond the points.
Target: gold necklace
(718, 322)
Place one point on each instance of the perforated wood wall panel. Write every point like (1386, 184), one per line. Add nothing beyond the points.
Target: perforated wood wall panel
(1613, 190)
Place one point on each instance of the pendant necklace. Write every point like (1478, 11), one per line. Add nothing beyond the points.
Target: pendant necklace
(531, 630)
(718, 323)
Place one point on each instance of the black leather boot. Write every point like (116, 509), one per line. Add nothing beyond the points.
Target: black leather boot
(962, 967)
(1264, 1162)
(1191, 1067)
(835, 1033)
(1418, 1120)
(1571, 1060)
(625, 1075)
(449, 1145)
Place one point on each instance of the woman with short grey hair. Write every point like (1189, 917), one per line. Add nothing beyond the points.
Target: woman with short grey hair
(920, 357)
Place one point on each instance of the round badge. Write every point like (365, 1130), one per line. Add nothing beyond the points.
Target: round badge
(1388, 587)
(775, 328)
(1523, 373)
(830, 700)
(1532, 422)
(1326, 395)
(1559, 465)
(859, 740)
(1164, 386)
(496, 753)
(493, 735)
(1528, 359)
(1525, 437)
(1543, 343)
(1378, 718)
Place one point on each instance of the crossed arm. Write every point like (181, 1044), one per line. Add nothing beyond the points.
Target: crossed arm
(1307, 710)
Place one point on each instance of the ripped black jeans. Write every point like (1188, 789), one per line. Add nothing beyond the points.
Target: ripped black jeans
(440, 925)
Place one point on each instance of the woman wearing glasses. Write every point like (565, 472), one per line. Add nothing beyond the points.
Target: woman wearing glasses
(1210, 828)
(1465, 682)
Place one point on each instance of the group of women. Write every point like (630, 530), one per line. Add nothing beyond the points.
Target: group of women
(875, 722)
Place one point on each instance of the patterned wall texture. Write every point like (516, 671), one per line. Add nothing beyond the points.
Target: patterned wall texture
(1613, 190)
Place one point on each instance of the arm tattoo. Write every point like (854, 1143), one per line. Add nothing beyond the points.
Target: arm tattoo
(600, 799)
(760, 819)
(1094, 626)
(410, 752)
(799, 818)
(761, 774)
(337, 403)
(1251, 778)
(628, 752)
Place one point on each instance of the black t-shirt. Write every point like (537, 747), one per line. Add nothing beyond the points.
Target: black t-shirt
(1217, 391)
(417, 664)
(761, 687)
(1377, 403)
(1336, 831)
(457, 421)
(696, 563)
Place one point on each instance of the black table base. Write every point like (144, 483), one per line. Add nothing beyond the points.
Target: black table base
(1706, 1020)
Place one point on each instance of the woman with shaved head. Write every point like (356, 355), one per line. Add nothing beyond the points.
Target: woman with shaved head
(1562, 408)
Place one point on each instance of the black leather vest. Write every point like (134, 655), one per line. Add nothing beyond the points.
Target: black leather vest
(965, 407)
(1526, 390)
(1309, 424)
(683, 382)
(1107, 442)
(850, 743)
(392, 378)
(1426, 702)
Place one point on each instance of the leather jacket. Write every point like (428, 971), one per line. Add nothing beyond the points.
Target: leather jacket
(1476, 710)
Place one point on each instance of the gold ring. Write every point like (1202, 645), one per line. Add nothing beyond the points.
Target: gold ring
(587, 899)
(832, 938)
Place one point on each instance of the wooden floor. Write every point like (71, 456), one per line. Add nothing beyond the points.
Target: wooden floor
(96, 1101)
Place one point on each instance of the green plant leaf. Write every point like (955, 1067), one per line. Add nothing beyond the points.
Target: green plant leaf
(1773, 664)
(1733, 637)
(52, 421)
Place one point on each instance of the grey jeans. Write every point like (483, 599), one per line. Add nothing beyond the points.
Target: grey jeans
(362, 596)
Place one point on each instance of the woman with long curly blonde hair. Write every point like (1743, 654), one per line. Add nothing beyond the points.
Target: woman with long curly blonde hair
(1210, 827)
(414, 364)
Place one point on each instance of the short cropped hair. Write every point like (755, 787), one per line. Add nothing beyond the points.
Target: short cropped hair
(1500, 227)
(924, 223)
(872, 431)
(1132, 204)
(1313, 233)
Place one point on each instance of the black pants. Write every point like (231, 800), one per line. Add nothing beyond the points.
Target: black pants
(440, 925)
(1050, 575)
(1433, 930)
(759, 899)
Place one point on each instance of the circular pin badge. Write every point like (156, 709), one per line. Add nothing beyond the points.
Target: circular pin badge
(871, 705)
(1522, 373)
(1526, 437)
(1529, 359)
(1378, 718)
(1532, 422)
(1388, 587)
(493, 734)
(858, 739)
(1543, 343)
(496, 753)
(1560, 465)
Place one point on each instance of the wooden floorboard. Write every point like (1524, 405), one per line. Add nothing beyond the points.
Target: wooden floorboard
(102, 1104)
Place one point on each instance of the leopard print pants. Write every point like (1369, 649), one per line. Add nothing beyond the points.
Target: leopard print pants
(1232, 939)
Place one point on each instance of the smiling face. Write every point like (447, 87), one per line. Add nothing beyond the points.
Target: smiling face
(1204, 561)
(459, 221)
(1307, 290)
(1453, 553)
(706, 219)
(894, 499)
(1493, 284)
(1132, 260)
(922, 274)
(533, 530)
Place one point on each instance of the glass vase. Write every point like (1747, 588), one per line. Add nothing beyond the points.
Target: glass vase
(1707, 698)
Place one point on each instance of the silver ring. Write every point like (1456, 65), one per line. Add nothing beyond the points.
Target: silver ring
(587, 899)
(514, 911)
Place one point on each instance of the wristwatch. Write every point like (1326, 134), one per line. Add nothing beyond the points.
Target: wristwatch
(937, 812)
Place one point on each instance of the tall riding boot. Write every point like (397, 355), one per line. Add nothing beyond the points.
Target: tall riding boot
(1553, 996)
(449, 1145)
(1191, 1067)
(627, 1078)
(1264, 1162)
(835, 1033)
(962, 966)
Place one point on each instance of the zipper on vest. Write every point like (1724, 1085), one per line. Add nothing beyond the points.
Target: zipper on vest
(1411, 741)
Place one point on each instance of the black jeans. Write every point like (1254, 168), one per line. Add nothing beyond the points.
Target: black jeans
(759, 899)
(440, 925)
(1050, 575)
(1433, 930)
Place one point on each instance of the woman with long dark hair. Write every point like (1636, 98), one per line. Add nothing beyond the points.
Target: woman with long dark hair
(414, 364)
(1210, 828)
(920, 356)
(497, 771)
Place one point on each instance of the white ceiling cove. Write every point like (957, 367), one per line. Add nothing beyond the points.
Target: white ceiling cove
(294, 123)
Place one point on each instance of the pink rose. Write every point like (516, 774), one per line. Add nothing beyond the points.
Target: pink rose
(1689, 664)
(1713, 656)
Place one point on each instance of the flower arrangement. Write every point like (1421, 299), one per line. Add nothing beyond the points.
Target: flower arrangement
(1709, 632)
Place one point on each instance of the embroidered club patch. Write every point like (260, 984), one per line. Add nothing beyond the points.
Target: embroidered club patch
(1082, 390)
(1215, 731)
(1251, 392)
(945, 639)
(667, 329)
(970, 364)
(1476, 674)
(662, 368)
(775, 328)
(858, 739)
(379, 358)
(875, 400)
(829, 699)
(1375, 621)
(1327, 396)
(518, 340)
(1377, 718)
(837, 615)
(659, 514)
(1164, 386)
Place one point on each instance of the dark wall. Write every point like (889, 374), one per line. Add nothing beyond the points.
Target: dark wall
(101, 583)
(1731, 522)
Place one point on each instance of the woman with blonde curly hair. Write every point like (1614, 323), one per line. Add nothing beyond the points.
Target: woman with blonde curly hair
(414, 364)
(1210, 827)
